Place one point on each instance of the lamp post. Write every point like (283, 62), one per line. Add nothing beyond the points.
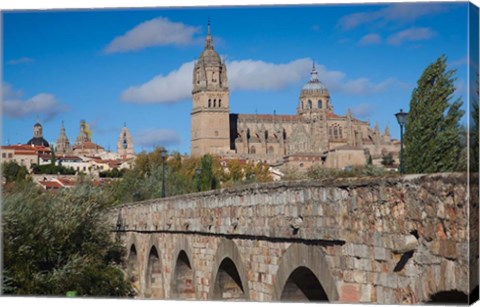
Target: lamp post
(402, 120)
(163, 152)
(198, 171)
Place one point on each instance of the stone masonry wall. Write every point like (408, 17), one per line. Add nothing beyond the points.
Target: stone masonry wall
(390, 240)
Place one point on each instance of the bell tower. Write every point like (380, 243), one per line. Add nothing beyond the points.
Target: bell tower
(210, 124)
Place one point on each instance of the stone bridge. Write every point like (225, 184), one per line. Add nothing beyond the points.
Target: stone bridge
(373, 240)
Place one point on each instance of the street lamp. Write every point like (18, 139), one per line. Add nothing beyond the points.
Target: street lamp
(402, 121)
(163, 152)
(198, 171)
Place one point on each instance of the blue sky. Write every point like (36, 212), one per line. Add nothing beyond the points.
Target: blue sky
(134, 66)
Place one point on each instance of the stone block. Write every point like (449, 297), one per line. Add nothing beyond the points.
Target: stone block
(380, 253)
(349, 293)
(366, 294)
(444, 248)
(359, 277)
(405, 244)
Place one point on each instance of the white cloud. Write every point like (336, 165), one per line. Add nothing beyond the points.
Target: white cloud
(22, 60)
(413, 34)
(173, 87)
(259, 75)
(370, 39)
(155, 32)
(399, 13)
(250, 75)
(159, 137)
(44, 104)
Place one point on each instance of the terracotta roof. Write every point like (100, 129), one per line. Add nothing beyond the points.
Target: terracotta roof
(23, 147)
(51, 184)
(25, 153)
(333, 115)
(66, 181)
(87, 145)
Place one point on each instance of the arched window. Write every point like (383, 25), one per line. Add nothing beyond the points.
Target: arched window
(335, 132)
(319, 104)
(252, 150)
(219, 103)
(209, 103)
(309, 104)
(340, 132)
(266, 135)
(214, 103)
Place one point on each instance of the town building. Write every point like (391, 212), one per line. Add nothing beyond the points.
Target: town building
(314, 135)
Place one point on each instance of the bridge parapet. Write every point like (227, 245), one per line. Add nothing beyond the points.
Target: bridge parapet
(385, 240)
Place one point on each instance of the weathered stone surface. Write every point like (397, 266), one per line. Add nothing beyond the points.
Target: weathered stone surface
(353, 235)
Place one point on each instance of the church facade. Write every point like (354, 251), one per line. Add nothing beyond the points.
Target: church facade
(315, 134)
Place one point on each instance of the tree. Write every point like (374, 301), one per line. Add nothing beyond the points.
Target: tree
(59, 242)
(474, 131)
(387, 160)
(433, 134)
(208, 181)
(12, 172)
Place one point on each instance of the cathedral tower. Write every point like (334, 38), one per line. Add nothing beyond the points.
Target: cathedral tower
(63, 144)
(210, 123)
(125, 144)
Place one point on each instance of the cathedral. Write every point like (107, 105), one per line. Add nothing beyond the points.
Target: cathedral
(314, 135)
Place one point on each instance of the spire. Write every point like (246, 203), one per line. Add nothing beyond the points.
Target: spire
(314, 75)
(208, 40)
(387, 130)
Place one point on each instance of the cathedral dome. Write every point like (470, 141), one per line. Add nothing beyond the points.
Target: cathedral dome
(314, 85)
(38, 141)
(210, 57)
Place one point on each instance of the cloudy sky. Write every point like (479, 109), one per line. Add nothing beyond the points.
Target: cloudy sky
(116, 66)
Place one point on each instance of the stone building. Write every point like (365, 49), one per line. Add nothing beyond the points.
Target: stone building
(37, 139)
(315, 134)
(63, 143)
(125, 145)
(83, 143)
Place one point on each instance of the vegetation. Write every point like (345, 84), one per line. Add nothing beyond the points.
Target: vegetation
(433, 133)
(12, 172)
(57, 242)
(52, 169)
(113, 173)
(183, 175)
(387, 160)
(318, 172)
(474, 132)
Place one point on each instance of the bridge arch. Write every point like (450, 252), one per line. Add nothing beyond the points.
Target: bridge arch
(133, 265)
(154, 287)
(229, 276)
(182, 284)
(302, 263)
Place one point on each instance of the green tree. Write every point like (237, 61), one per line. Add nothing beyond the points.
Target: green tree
(474, 131)
(12, 172)
(208, 181)
(387, 160)
(433, 134)
(59, 242)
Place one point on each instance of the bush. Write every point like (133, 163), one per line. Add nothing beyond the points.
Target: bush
(59, 242)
